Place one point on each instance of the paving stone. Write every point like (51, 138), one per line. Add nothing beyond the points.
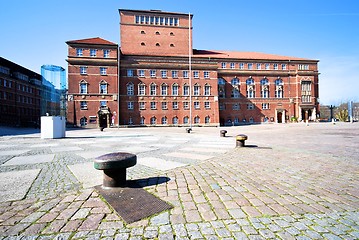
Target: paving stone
(92, 222)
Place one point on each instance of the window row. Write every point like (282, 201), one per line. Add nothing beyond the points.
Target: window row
(93, 52)
(155, 20)
(103, 87)
(102, 70)
(254, 66)
(157, 33)
(19, 98)
(165, 73)
(163, 89)
(157, 44)
(250, 81)
(166, 105)
(8, 84)
(248, 106)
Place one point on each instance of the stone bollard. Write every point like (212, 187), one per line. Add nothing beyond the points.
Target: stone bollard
(114, 168)
(188, 130)
(240, 140)
(222, 133)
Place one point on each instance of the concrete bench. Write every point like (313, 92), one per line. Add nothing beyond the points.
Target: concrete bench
(222, 133)
(240, 140)
(114, 167)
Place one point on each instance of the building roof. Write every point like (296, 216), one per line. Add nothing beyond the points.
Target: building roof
(243, 55)
(158, 12)
(96, 40)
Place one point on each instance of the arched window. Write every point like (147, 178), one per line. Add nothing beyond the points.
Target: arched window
(141, 89)
(185, 120)
(130, 89)
(264, 88)
(103, 87)
(143, 44)
(196, 88)
(186, 90)
(221, 88)
(83, 121)
(164, 89)
(207, 120)
(83, 87)
(235, 93)
(175, 89)
(279, 88)
(142, 121)
(157, 45)
(153, 120)
(221, 81)
(250, 88)
(235, 82)
(153, 89)
(196, 120)
(164, 120)
(207, 89)
(175, 120)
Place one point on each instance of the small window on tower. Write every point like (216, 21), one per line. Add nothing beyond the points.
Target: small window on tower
(157, 33)
(172, 34)
(157, 44)
(172, 45)
(143, 44)
(143, 32)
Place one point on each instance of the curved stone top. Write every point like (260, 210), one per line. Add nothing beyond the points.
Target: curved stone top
(241, 137)
(115, 161)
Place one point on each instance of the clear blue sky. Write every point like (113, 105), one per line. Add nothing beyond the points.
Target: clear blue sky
(34, 32)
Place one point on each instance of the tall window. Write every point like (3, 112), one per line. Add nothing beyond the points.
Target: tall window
(279, 88)
(196, 120)
(164, 105)
(153, 89)
(130, 105)
(103, 71)
(207, 120)
(196, 89)
(130, 89)
(175, 105)
(275, 66)
(267, 66)
(164, 88)
(185, 90)
(83, 87)
(153, 73)
(185, 120)
(259, 66)
(93, 52)
(79, 52)
(103, 87)
(235, 82)
(223, 65)
(142, 121)
(153, 120)
(250, 88)
(250, 66)
(141, 73)
(284, 66)
(83, 70)
(264, 88)
(174, 74)
(306, 91)
(129, 72)
(206, 74)
(175, 120)
(207, 90)
(232, 65)
(185, 74)
(175, 89)
(196, 74)
(106, 53)
(164, 120)
(141, 89)
(164, 73)
(241, 66)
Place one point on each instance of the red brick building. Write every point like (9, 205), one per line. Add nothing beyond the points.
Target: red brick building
(162, 80)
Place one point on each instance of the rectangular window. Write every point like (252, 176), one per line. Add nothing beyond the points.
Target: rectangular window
(195, 74)
(185, 105)
(83, 88)
(175, 90)
(164, 73)
(250, 106)
(153, 105)
(223, 65)
(265, 106)
(130, 105)
(259, 66)
(103, 103)
(185, 90)
(275, 66)
(174, 74)
(185, 74)
(153, 73)
(103, 71)
(153, 90)
(303, 67)
(106, 53)
(83, 70)
(83, 105)
(142, 105)
(222, 106)
(175, 105)
(141, 73)
(196, 105)
(267, 66)
(129, 72)
(250, 66)
(196, 90)
(103, 88)
(79, 52)
(207, 105)
(284, 66)
(232, 65)
(164, 105)
(241, 66)
(206, 74)
(141, 89)
(93, 52)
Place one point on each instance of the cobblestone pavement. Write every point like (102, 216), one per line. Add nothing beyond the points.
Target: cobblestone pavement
(292, 181)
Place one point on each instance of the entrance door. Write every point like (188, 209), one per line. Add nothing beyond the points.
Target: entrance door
(103, 120)
(279, 117)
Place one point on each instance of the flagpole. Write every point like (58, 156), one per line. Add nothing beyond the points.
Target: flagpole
(190, 69)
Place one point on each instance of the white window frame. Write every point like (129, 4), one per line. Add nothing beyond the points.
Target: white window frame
(185, 74)
(153, 73)
(175, 88)
(206, 74)
(141, 89)
(79, 52)
(232, 65)
(196, 105)
(207, 105)
(83, 70)
(175, 105)
(153, 89)
(130, 105)
(141, 73)
(196, 90)
(174, 74)
(153, 105)
(195, 74)
(142, 105)
(164, 73)
(93, 52)
(106, 53)
(103, 70)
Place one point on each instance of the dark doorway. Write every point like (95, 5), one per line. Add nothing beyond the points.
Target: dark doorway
(279, 117)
